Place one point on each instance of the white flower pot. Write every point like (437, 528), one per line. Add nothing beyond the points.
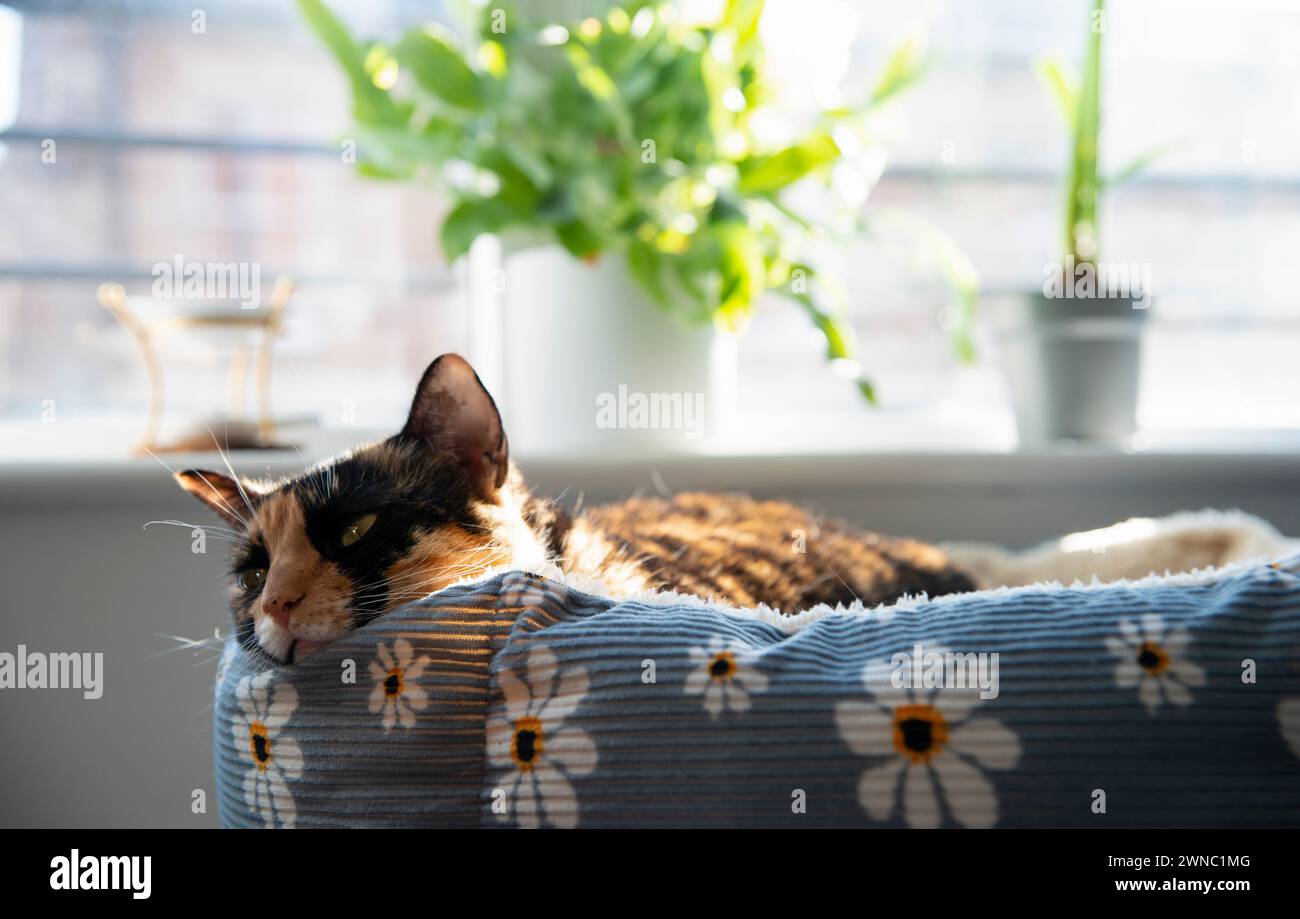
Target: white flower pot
(592, 364)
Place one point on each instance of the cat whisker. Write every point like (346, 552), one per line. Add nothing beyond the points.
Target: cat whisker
(417, 586)
(842, 581)
(214, 531)
(433, 582)
(248, 503)
(196, 645)
(321, 479)
(424, 573)
(215, 493)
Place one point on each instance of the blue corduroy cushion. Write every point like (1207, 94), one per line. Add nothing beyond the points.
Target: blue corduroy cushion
(382, 728)
(519, 701)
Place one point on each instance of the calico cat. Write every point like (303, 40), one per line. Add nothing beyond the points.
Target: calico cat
(324, 552)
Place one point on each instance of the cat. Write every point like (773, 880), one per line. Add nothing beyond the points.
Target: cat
(324, 552)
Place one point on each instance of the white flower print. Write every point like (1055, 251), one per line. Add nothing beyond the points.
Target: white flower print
(725, 675)
(1288, 719)
(926, 738)
(530, 740)
(274, 759)
(396, 692)
(1153, 660)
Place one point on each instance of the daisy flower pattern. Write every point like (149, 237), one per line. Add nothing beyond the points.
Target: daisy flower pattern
(1152, 659)
(531, 741)
(725, 675)
(396, 693)
(274, 759)
(924, 741)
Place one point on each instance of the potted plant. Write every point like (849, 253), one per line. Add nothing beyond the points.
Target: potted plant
(618, 161)
(1072, 349)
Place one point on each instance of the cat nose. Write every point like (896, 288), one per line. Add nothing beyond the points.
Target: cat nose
(279, 607)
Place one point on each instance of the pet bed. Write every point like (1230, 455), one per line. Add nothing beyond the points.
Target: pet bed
(520, 701)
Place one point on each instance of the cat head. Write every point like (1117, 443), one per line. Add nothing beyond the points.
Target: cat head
(324, 552)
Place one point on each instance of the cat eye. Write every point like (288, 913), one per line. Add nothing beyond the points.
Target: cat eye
(253, 579)
(356, 529)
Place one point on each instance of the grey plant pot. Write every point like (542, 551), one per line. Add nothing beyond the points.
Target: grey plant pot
(1072, 366)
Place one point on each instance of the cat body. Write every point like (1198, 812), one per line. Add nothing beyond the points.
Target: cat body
(744, 552)
(324, 552)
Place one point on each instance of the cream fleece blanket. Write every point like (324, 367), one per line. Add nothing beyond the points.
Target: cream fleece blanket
(1133, 549)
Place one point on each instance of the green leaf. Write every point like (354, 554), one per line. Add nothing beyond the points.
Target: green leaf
(719, 78)
(435, 142)
(770, 172)
(471, 219)
(645, 263)
(955, 266)
(838, 334)
(841, 342)
(1141, 162)
(905, 66)
(742, 18)
(370, 103)
(492, 58)
(694, 277)
(529, 163)
(690, 275)
(517, 189)
(1063, 88)
(390, 171)
(578, 238)
(1081, 192)
(742, 270)
(596, 81)
(430, 54)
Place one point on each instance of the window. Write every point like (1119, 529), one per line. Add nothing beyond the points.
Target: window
(977, 150)
(223, 144)
(139, 141)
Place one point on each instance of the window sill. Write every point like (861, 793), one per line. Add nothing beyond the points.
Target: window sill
(28, 481)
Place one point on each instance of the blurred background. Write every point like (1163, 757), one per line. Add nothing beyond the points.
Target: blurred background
(140, 133)
(223, 146)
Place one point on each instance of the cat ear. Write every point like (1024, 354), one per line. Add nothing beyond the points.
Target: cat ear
(219, 492)
(452, 412)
